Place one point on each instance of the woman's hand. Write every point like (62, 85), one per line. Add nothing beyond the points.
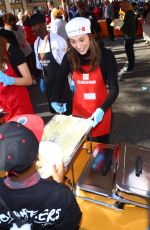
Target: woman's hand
(6, 80)
(97, 116)
(59, 107)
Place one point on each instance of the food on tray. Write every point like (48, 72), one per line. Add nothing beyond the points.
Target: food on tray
(67, 132)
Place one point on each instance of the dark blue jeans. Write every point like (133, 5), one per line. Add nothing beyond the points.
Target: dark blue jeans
(129, 49)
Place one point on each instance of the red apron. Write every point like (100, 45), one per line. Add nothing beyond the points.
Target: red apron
(14, 100)
(90, 94)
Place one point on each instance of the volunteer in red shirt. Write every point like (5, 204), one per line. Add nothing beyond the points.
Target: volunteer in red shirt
(92, 68)
(14, 77)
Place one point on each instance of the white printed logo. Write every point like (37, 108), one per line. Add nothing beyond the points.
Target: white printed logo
(86, 76)
(47, 216)
(23, 227)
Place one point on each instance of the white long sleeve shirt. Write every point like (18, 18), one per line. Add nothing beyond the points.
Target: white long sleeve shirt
(58, 45)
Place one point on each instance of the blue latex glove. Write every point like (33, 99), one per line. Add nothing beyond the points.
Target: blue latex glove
(42, 86)
(97, 116)
(59, 107)
(73, 86)
(6, 80)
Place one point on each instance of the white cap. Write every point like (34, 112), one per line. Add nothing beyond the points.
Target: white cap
(78, 26)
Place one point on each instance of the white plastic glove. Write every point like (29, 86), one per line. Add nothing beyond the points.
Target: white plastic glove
(97, 116)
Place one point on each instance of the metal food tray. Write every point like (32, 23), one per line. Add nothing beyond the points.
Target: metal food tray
(56, 136)
(97, 179)
(98, 175)
(132, 178)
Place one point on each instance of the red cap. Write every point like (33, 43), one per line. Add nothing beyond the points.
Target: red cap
(31, 121)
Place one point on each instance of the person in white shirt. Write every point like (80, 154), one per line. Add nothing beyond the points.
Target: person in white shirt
(49, 50)
(20, 16)
(58, 25)
(51, 7)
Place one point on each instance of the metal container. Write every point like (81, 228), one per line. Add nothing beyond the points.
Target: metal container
(132, 183)
(97, 179)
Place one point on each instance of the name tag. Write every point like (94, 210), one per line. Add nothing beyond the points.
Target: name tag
(89, 96)
(5, 66)
(85, 76)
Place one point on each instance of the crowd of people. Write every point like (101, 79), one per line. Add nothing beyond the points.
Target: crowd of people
(62, 52)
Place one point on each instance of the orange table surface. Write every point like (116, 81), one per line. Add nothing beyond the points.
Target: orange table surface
(118, 32)
(98, 217)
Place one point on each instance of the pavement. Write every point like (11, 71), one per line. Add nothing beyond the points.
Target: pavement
(131, 110)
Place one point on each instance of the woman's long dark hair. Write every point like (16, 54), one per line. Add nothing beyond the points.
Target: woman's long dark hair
(3, 58)
(93, 57)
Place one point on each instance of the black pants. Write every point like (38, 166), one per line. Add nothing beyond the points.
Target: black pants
(100, 139)
(110, 28)
(129, 49)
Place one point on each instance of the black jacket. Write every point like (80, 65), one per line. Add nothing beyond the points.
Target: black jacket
(130, 24)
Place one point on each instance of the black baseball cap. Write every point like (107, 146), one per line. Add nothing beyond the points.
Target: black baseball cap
(18, 147)
(37, 18)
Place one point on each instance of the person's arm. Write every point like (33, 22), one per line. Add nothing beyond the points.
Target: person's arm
(61, 75)
(59, 84)
(39, 67)
(65, 65)
(26, 78)
(38, 64)
(109, 72)
(21, 65)
(17, 61)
